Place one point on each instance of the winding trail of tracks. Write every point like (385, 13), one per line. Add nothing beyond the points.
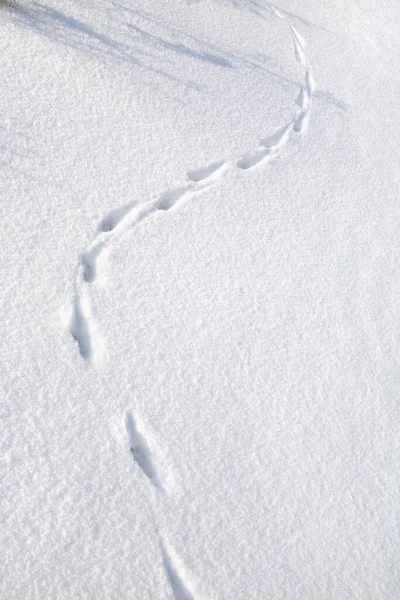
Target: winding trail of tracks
(122, 220)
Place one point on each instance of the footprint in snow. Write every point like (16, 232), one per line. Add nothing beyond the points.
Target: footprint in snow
(251, 160)
(212, 170)
(177, 578)
(79, 329)
(170, 198)
(140, 449)
(278, 138)
(115, 216)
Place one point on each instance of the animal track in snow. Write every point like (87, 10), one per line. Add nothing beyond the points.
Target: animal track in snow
(140, 449)
(178, 580)
(252, 159)
(298, 48)
(212, 170)
(124, 218)
(302, 98)
(114, 217)
(278, 138)
(168, 199)
(300, 122)
(79, 328)
(89, 263)
(310, 83)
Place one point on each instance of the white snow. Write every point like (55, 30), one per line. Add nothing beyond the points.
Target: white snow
(200, 300)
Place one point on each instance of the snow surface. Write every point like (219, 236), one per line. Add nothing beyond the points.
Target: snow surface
(200, 299)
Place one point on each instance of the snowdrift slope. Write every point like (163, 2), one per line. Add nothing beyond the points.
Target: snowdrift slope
(200, 300)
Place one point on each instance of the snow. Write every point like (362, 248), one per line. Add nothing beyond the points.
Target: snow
(200, 300)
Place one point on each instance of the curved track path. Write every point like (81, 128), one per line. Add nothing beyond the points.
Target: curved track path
(122, 220)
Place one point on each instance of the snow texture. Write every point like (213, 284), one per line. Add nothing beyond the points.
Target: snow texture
(200, 300)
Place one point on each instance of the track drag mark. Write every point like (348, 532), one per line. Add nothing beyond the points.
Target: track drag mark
(140, 449)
